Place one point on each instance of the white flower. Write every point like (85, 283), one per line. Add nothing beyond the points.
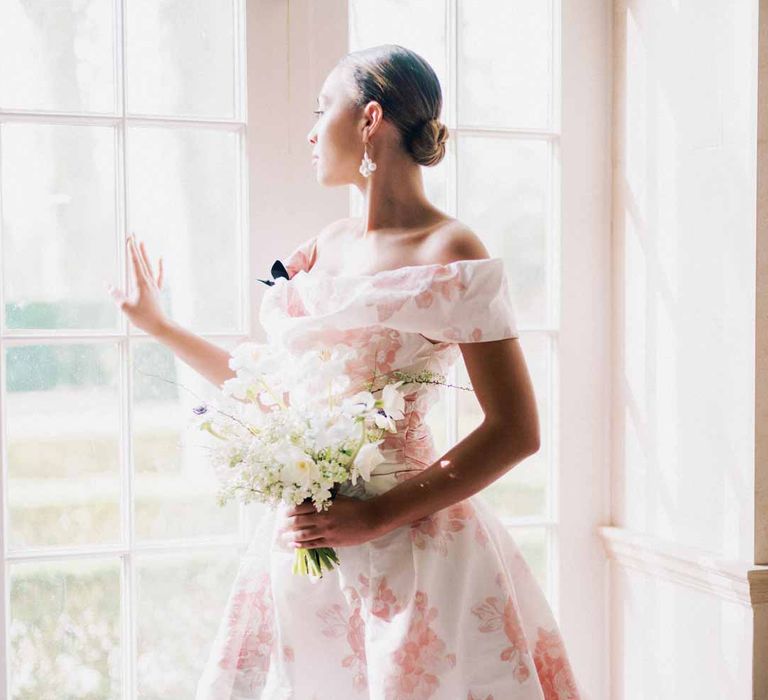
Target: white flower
(367, 459)
(245, 356)
(318, 375)
(393, 400)
(333, 431)
(298, 468)
(361, 402)
(236, 386)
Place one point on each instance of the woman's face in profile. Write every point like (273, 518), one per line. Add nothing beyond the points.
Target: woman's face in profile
(337, 137)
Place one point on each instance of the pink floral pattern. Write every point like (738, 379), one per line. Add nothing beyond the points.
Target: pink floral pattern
(413, 611)
(420, 658)
(438, 529)
(383, 603)
(496, 615)
(553, 667)
(449, 289)
(249, 643)
(337, 621)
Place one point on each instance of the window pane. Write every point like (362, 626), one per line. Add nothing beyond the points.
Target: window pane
(505, 63)
(65, 629)
(180, 602)
(522, 491)
(183, 189)
(57, 55)
(62, 415)
(180, 57)
(175, 486)
(419, 26)
(534, 546)
(503, 195)
(58, 194)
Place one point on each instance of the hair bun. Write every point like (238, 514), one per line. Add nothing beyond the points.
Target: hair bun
(427, 140)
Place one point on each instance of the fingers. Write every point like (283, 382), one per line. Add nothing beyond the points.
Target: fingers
(306, 541)
(117, 295)
(146, 260)
(139, 270)
(307, 520)
(291, 537)
(160, 274)
(301, 509)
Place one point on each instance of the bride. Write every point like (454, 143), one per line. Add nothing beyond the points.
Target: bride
(432, 598)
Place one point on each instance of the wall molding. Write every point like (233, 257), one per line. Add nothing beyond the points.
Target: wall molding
(737, 581)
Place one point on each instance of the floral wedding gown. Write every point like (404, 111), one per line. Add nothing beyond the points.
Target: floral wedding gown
(445, 608)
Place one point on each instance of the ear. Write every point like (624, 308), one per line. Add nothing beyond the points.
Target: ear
(373, 114)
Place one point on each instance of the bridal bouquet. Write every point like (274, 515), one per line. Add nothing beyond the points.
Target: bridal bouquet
(287, 430)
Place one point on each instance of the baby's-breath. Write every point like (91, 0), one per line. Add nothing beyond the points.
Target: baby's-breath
(311, 437)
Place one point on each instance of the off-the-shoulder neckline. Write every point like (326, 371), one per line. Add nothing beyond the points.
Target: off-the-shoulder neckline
(494, 260)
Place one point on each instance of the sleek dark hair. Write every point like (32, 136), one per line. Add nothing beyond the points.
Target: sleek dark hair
(409, 93)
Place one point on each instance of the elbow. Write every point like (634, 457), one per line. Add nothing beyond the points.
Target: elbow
(522, 440)
(533, 444)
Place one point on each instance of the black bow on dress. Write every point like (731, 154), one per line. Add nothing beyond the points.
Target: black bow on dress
(278, 270)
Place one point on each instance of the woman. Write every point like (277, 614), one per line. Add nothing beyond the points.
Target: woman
(432, 598)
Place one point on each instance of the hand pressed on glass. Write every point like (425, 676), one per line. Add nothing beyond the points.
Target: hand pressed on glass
(143, 307)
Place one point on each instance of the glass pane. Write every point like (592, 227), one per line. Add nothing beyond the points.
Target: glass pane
(180, 57)
(504, 196)
(419, 26)
(534, 546)
(65, 630)
(183, 189)
(175, 486)
(505, 63)
(57, 55)
(62, 414)
(521, 491)
(58, 194)
(180, 601)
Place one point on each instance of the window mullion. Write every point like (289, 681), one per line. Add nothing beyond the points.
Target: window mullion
(127, 579)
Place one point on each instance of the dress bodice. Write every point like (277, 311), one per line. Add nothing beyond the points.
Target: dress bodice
(411, 318)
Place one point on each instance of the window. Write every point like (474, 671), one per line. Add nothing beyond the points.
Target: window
(130, 116)
(114, 118)
(500, 176)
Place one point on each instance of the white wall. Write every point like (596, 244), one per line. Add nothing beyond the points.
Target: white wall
(684, 198)
(299, 42)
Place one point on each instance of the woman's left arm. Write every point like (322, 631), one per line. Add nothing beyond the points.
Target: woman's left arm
(508, 434)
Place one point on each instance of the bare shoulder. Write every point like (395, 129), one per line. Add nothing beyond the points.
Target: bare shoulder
(453, 241)
(339, 226)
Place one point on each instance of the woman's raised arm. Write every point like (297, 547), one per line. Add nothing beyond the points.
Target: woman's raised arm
(145, 312)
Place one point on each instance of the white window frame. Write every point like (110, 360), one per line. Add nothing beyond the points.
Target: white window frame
(301, 45)
(577, 431)
(127, 548)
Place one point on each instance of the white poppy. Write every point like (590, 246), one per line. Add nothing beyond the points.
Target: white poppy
(385, 422)
(367, 459)
(361, 402)
(333, 432)
(393, 400)
(298, 467)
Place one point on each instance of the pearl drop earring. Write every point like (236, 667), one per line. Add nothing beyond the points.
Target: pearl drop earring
(367, 166)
